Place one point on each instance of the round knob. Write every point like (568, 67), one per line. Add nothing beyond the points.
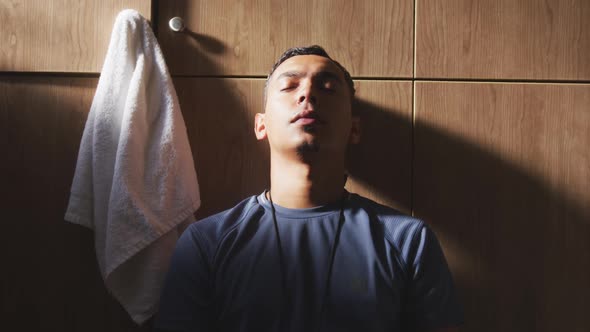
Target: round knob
(176, 24)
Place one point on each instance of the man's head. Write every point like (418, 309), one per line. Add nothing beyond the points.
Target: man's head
(308, 104)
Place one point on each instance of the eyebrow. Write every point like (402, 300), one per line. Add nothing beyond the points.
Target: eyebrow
(321, 75)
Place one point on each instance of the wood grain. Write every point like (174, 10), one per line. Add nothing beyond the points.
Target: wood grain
(380, 166)
(59, 36)
(502, 172)
(219, 114)
(503, 39)
(51, 280)
(370, 38)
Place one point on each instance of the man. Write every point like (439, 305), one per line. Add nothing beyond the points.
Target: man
(307, 255)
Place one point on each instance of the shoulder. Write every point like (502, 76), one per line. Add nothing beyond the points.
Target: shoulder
(226, 219)
(397, 225)
(211, 230)
(402, 231)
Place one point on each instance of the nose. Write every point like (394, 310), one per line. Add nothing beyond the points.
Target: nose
(307, 94)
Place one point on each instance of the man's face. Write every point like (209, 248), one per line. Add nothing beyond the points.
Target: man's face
(308, 107)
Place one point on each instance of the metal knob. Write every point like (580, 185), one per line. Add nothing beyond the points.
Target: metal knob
(176, 24)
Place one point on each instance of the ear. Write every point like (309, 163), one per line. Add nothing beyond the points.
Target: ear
(259, 126)
(355, 130)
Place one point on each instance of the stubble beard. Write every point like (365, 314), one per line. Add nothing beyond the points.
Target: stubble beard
(306, 149)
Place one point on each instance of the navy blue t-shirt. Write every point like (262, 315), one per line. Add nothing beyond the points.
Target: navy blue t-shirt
(389, 272)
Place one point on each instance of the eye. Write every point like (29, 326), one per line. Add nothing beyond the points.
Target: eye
(288, 88)
(288, 85)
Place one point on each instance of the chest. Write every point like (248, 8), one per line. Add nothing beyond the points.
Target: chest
(365, 288)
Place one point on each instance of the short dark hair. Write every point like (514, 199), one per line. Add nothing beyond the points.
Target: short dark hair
(310, 50)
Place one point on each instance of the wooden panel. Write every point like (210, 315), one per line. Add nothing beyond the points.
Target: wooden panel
(501, 171)
(51, 280)
(231, 164)
(59, 35)
(380, 165)
(525, 39)
(370, 38)
(219, 114)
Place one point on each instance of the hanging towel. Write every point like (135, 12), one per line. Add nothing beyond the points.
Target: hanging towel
(135, 180)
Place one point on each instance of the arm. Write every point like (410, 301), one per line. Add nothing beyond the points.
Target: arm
(431, 298)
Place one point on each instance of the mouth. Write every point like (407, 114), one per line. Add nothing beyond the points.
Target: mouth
(307, 117)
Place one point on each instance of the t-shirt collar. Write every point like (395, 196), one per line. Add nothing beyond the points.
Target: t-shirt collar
(301, 213)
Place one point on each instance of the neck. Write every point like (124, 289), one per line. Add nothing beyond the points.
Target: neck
(299, 185)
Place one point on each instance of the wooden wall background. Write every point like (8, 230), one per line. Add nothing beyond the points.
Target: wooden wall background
(476, 118)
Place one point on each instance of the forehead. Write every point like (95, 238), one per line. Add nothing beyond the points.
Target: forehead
(308, 65)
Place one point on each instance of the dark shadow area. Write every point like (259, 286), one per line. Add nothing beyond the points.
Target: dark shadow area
(382, 159)
(208, 44)
(52, 281)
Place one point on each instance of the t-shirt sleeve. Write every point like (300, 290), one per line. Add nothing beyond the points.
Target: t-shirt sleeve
(186, 300)
(431, 299)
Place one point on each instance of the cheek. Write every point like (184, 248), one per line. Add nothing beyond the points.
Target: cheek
(341, 108)
(276, 103)
(343, 118)
(275, 119)
(278, 111)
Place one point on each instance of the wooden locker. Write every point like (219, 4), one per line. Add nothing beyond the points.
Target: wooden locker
(370, 38)
(380, 166)
(501, 171)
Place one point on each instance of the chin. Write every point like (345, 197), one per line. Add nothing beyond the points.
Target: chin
(310, 129)
(303, 144)
(307, 147)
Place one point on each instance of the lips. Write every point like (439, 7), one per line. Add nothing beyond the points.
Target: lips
(306, 117)
(306, 121)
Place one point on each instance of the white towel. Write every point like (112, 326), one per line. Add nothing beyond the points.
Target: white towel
(135, 179)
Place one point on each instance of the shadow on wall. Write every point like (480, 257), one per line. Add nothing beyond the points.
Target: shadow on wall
(518, 248)
(380, 165)
(208, 44)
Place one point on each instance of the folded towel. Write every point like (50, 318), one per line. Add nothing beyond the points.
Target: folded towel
(135, 179)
